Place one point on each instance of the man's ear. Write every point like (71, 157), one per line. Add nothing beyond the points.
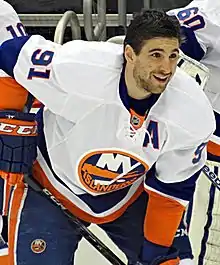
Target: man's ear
(129, 54)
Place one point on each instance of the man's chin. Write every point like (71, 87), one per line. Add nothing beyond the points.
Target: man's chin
(158, 90)
(161, 90)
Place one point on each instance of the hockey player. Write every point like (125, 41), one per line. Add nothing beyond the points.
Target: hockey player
(201, 23)
(10, 27)
(114, 118)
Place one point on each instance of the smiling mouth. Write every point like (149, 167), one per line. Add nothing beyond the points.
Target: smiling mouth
(161, 79)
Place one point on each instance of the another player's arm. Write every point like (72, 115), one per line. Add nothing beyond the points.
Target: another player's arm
(198, 31)
(10, 24)
(10, 27)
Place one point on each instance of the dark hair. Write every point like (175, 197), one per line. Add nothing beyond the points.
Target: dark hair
(149, 24)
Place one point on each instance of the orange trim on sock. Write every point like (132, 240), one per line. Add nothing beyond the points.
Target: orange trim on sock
(14, 219)
(6, 196)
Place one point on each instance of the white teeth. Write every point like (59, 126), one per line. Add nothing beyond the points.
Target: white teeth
(162, 78)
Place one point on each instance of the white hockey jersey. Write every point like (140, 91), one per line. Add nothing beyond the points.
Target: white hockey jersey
(99, 156)
(203, 17)
(10, 27)
(10, 24)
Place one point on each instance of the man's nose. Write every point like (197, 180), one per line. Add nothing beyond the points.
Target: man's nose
(166, 66)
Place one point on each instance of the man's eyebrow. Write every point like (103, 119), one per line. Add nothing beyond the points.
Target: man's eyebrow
(162, 50)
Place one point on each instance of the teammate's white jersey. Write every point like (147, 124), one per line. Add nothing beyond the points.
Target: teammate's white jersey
(203, 17)
(10, 24)
(96, 144)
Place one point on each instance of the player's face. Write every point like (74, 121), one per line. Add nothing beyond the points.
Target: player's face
(155, 65)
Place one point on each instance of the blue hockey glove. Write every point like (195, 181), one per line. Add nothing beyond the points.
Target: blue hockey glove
(18, 144)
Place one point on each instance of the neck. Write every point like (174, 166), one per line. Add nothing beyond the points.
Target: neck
(132, 88)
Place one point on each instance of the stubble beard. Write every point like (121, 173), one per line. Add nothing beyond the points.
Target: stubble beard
(141, 83)
(147, 85)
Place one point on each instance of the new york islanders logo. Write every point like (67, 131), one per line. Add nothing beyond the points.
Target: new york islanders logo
(104, 171)
(38, 246)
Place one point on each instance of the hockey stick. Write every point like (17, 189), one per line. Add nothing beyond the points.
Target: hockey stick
(85, 232)
(211, 176)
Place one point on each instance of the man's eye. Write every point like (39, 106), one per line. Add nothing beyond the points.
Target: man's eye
(156, 55)
(174, 56)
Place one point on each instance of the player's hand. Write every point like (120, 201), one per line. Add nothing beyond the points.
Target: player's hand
(18, 144)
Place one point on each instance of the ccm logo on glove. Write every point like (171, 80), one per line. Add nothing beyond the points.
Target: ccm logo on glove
(18, 127)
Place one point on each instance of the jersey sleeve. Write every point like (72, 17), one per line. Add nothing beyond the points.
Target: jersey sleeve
(10, 24)
(170, 185)
(198, 28)
(70, 79)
